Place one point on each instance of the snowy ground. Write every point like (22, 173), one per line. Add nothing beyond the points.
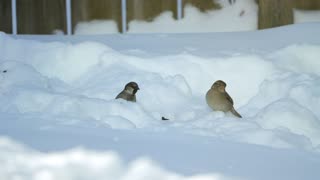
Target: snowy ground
(57, 93)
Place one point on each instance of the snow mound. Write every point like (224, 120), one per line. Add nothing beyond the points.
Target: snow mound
(302, 16)
(302, 58)
(96, 27)
(80, 163)
(277, 93)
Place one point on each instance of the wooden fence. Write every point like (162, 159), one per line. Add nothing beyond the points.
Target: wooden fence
(44, 16)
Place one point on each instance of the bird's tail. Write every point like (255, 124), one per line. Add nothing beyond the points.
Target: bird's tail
(234, 112)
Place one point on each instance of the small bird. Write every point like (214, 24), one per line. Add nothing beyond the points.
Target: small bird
(219, 100)
(129, 92)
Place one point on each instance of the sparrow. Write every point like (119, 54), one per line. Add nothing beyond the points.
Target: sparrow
(129, 92)
(219, 100)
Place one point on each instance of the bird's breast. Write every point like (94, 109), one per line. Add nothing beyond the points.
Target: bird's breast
(217, 101)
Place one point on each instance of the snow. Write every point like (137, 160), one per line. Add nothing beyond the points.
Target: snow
(303, 16)
(59, 118)
(80, 164)
(96, 27)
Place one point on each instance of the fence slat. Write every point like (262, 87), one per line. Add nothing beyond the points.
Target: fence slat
(14, 17)
(179, 9)
(124, 15)
(68, 16)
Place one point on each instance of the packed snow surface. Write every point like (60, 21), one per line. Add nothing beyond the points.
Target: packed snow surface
(58, 93)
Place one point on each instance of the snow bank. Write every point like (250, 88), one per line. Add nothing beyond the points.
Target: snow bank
(19, 162)
(96, 27)
(277, 92)
(300, 58)
(302, 16)
(289, 115)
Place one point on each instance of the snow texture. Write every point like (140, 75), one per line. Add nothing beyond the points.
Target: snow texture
(59, 118)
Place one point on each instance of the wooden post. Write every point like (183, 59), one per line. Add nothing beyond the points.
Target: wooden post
(179, 9)
(14, 17)
(273, 13)
(124, 16)
(68, 17)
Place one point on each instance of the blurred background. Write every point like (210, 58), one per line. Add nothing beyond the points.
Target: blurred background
(153, 16)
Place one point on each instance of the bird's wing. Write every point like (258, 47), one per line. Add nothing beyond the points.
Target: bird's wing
(120, 95)
(229, 98)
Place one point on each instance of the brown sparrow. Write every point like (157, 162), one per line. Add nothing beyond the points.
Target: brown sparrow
(219, 100)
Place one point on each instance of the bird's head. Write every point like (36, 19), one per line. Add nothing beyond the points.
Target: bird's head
(132, 87)
(219, 85)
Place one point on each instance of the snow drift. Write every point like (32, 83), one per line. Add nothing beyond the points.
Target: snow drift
(276, 92)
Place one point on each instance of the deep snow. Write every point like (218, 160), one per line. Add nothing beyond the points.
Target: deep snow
(58, 92)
